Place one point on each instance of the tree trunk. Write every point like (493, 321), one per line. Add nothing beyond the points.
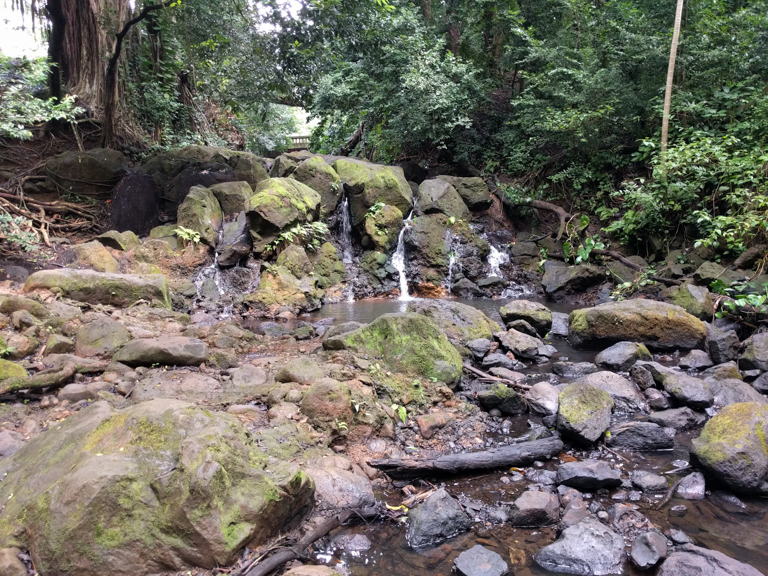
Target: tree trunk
(55, 45)
(670, 81)
(426, 10)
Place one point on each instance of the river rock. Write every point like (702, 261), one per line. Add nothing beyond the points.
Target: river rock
(102, 337)
(460, 322)
(648, 481)
(587, 548)
(534, 509)
(479, 561)
(440, 196)
(537, 315)
(503, 398)
(119, 290)
(383, 228)
(687, 390)
(201, 212)
(340, 488)
(678, 418)
(761, 383)
(439, 518)
(318, 175)
(588, 475)
(695, 300)
(695, 360)
(559, 324)
(328, 402)
(10, 443)
(543, 398)
(692, 487)
(173, 351)
(560, 281)
(10, 303)
(163, 485)
(498, 360)
(10, 565)
(755, 356)
(657, 400)
(585, 412)
(690, 559)
(232, 196)
(728, 370)
(622, 356)
(521, 345)
(732, 447)
(479, 347)
(723, 345)
(474, 192)
(624, 393)
(641, 436)
(122, 241)
(708, 272)
(411, 343)
(574, 369)
(658, 325)
(96, 256)
(732, 391)
(77, 392)
(648, 549)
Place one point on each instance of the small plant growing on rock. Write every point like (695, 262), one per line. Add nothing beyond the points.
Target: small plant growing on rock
(187, 235)
(309, 236)
(400, 411)
(18, 231)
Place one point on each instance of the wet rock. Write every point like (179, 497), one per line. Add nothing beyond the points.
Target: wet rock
(173, 351)
(678, 418)
(460, 322)
(521, 345)
(201, 212)
(543, 398)
(728, 370)
(537, 315)
(383, 228)
(497, 360)
(232, 196)
(85, 519)
(588, 475)
(503, 398)
(560, 281)
(755, 356)
(479, 347)
(352, 542)
(122, 241)
(439, 518)
(648, 481)
(678, 536)
(585, 412)
(648, 550)
(522, 326)
(731, 391)
(559, 324)
(622, 356)
(656, 399)
(474, 191)
(440, 196)
(339, 489)
(574, 511)
(625, 395)
(692, 487)
(587, 548)
(574, 369)
(534, 509)
(641, 436)
(479, 561)
(102, 337)
(465, 288)
(696, 300)
(119, 290)
(687, 390)
(235, 242)
(690, 559)
(695, 359)
(678, 511)
(642, 377)
(658, 325)
(732, 448)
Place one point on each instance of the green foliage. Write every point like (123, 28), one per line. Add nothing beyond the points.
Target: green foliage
(310, 236)
(401, 412)
(187, 235)
(746, 302)
(578, 247)
(20, 106)
(18, 231)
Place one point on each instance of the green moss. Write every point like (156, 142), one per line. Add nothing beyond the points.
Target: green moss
(579, 402)
(148, 434)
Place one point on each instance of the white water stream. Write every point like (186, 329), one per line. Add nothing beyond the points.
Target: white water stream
(495, 259)
(398, 259)
(346, 232)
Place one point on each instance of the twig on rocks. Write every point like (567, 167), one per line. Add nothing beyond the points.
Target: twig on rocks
(490, 378)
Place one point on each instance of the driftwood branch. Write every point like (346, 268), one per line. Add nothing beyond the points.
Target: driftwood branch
(514, 455)
(294, 552)
(490, 378)
(630, 264)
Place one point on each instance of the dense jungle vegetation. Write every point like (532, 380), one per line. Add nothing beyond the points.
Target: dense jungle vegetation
(562, 99)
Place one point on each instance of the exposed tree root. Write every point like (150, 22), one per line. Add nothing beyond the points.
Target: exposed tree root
(44, 379)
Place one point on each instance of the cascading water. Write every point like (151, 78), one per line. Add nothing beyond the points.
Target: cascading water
(398, 260)
(346, 232)
(495, 259)
(454, 248)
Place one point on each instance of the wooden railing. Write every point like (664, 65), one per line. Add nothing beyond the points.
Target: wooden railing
(299, 142)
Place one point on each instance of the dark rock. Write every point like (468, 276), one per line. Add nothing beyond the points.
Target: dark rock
(559, 324)
(574, 369)
(678, 418)
(692, 487)
(642, 377)
(503, 398)
(588, 475)
(235, 242)
(648, 481)
(439, 518)
(687, 390)
(534, 509)
(722, 345)
(560, 281)
(585, 412)
(465, 288)
(640, 436)
(499, 360)
(522, 326)
(761, 383)
(479, 561)
(656, 399)
(624, 393)
(479, 347)
(755, 356)
(273, 329)
(678, 536)
(695, 359)
(678, 511)
(692, 560)
(351, 542)
(731, 391)
(537, 315)
(87, 173)
(587, 548)
(648, 549)
(622, 356)
(474, 191)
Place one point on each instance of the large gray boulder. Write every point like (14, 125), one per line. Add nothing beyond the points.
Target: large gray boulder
(440, 196)
(536, 314)
(479, 561)
(560, 281)
(695, 300)
(520, 344)
(201, 212)
(474, 191)
(533, 509)
(755, 356)
(460, 322)
(91, 173)
(622, 356)
(588, 548)
(232, 196)
(722, 345)
(585, 412)
(687, 390)
(695, 561)
(161, 486)
(641, 436)
(101, 338)
(439, 518)
(318, 175)
(588, 475)
(732, 391)
(658, 325)
(173, 351)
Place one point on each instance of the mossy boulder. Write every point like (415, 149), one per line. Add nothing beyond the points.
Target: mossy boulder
(460, 322)
(328, 402)
(585, 412)
(161, 486)
(560, 281)
(328, 266)
(536, 314)
(732, 447)
(383, 228)
(10, 373)
(281, 288)
(374, 265)
(201, 212)
(91, 173)
(408, 343)
(504, 398)
(440, 196)
(315, 173)
(232, 196)
(366, 184)
(279, 203)
(295, 259)
(658, 325)
(122, 241)
(96, 256)
(474, 191)
(10, 303)
(101, 338)
(432, 238)
(98, 288)
(695, 300)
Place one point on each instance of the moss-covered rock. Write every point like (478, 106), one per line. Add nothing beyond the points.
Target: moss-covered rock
(409, 343)
(315, 173)
(101, 338)
(327, 403)
(374, 264)
(585, 412)
(232, 196)
(474, 191)
(755, 356)
(281, 288)
(658, 325)
(440, 196)
(536, 314)
(503, 398)
(10, 369)
(696, 300)
(384, 227)
(97, 288)
(295, 259)
(460, 322)
(161, 486)
(562, 281)
(366, 184)
(328, 266)
(278, 203)
(10, 303)
(732, 447)
(122, 241)
(96, 256)
(201, 212)
(94, 172)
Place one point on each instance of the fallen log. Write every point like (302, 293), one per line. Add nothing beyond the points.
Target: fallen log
(514, 455)
(489, 378)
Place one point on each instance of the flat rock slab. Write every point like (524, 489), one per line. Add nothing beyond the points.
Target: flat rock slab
(588, 475)
(175, 351)
(479, 561)
(588, 548)
(690, 559)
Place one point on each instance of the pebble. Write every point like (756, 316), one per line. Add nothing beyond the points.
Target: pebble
(678, 511)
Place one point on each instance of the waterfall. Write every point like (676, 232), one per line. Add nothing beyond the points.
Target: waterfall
(211, 272)
(454, 248)
(346, 232)
(495, 259)
(398, 260)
